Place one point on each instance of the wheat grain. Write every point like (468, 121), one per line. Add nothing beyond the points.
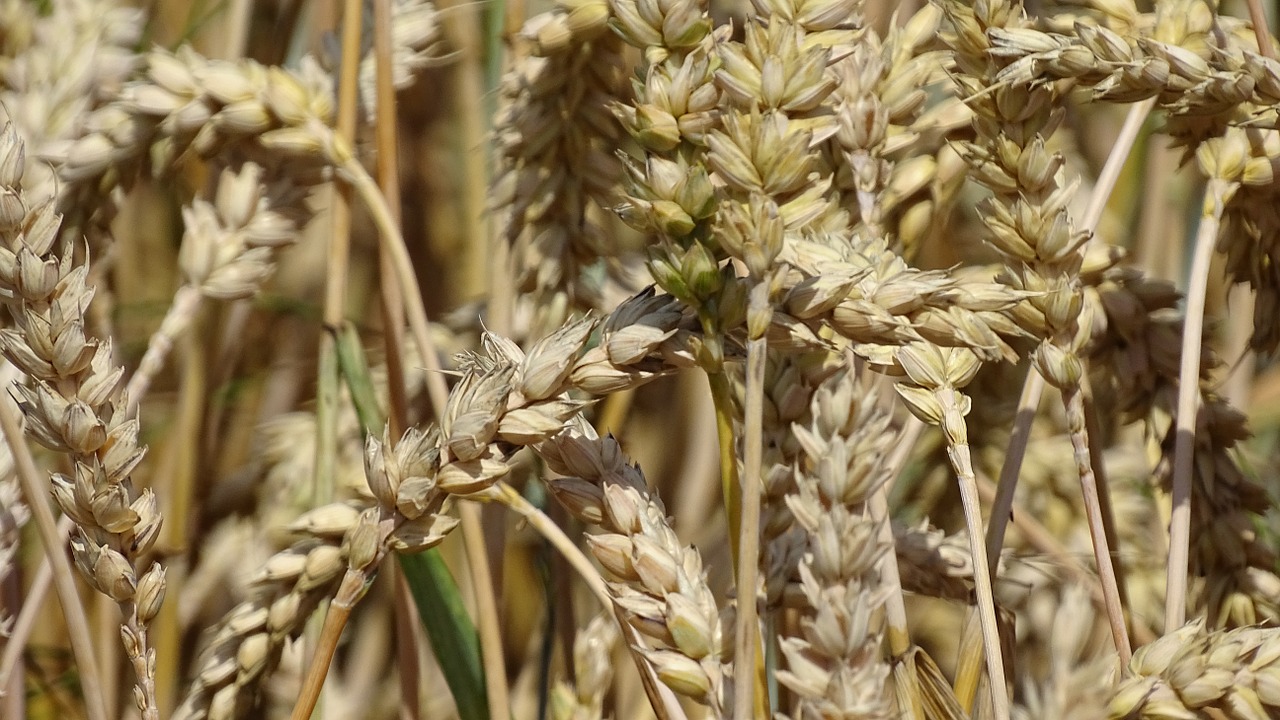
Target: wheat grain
(1191, 673)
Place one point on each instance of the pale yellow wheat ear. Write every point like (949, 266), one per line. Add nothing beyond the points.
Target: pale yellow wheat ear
(584, 697)
(229, 250)
(73, 58)
(857, 222)
(74, 405)
(835, 666)
(657, 583)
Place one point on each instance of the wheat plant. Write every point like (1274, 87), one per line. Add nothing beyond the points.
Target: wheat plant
(683, 359)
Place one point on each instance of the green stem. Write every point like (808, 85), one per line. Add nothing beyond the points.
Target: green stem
(956, 433)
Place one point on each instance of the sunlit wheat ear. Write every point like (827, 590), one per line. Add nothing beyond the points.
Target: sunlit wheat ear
(74, 405)
(67, 58)
(410, 514)
(1190, 672)
(229, 249)
(657, 581)
(790, 381)
(871, 296)
(836, 665)
(1207, 90)
(246, 644)
(184, 103)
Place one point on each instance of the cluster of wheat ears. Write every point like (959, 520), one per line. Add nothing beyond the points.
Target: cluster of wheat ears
(883, 298)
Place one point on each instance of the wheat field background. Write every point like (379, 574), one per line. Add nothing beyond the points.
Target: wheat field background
(412, 359)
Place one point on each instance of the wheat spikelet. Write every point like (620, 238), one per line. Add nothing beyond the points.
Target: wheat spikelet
(1192, 673)
(74, 58)
(835, 667)
(659, 584)
(74, 406)
(247, 643)
(229, 249)
(416, 44)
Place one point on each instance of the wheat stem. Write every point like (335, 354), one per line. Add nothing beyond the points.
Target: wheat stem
(722, 397)
(1002, 505)
(1093, 428)
(180, 463)
(895, 603)
(1074, 401)
(953, 428)
(407, 638)
(335, 620)
(472, 530)
(1261, 28)
(1189, 404)
(328, 373)
(748, 690)
(552, 533)
(411, 292)
(1110, 174)
(487, 622)
(186, 303)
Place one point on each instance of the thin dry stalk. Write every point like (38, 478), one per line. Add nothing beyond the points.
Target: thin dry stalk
(747, 698)
(1266, 45)
(388, 173)
(487, 619)
(1217, 194)
(1006, 486)
(933, 397)
(895, 606)
(337, 267)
